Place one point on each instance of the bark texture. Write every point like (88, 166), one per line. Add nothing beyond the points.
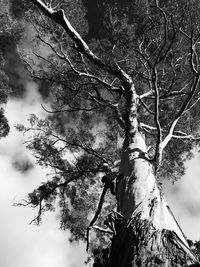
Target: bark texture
(147, 234)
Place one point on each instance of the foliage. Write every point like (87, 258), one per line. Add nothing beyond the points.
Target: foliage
(195, 246)
(154, 44)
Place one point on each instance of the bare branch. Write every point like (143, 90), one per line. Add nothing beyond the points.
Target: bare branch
(179, 114)
(146, 95)
(99, 208)
(86, 74)
(143, 58)
(156, 115)
(186, 137)
(192, 50)
(194, 104)
(69, 110)
(165, 33)
(161, 57)
(114, 106)
(152, 130)
(37, 219)
(147, 108)
(60, 18)
(25, 203)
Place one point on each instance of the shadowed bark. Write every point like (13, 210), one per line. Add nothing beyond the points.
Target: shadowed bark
(148, 234)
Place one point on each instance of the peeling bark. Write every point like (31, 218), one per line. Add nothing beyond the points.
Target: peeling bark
(139, 244)
(148, 234)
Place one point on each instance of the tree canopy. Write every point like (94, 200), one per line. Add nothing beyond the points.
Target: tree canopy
(85, 56)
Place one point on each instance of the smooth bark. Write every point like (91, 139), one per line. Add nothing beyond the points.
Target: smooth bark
(148, 234)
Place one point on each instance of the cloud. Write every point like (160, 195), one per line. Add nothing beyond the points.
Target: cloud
(22, 165)
(184, 198)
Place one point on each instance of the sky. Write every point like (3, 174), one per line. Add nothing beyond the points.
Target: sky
(184, 198)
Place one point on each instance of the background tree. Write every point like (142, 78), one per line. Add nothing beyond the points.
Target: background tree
(124, 116)
(10, 35)
(4, 88)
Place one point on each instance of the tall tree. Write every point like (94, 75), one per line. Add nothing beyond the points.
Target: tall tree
(125, 99)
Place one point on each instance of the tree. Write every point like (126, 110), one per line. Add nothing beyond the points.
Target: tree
(124, 116)
(10, 35)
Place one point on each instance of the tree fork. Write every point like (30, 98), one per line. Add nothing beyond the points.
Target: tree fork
(148, 234)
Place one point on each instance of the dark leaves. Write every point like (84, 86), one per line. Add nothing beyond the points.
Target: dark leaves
(4, 126)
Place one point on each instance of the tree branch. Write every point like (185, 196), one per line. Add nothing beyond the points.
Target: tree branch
(156, 115)
(86, 149)
(99, 208)
(41, 208)
(187, 137)
(179, 114)
(146, 95)
(165, 33)
(70, 109)
(80, 73)
(60, 18)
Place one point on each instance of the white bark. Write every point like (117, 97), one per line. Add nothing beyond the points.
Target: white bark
(138, 192)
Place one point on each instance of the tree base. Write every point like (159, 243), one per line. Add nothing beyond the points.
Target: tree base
(138, 244)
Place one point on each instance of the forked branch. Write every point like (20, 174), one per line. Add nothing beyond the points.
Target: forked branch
(182, 110)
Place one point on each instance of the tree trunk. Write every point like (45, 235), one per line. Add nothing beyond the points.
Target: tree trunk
(147, 233)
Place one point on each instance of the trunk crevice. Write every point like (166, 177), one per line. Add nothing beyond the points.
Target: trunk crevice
(137, 244)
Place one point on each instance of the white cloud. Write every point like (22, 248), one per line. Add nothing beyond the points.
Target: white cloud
(184, 199)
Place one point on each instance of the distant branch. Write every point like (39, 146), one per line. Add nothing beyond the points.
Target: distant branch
(69, 110)
(156, 115)
(193, 54)
(165, 33)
